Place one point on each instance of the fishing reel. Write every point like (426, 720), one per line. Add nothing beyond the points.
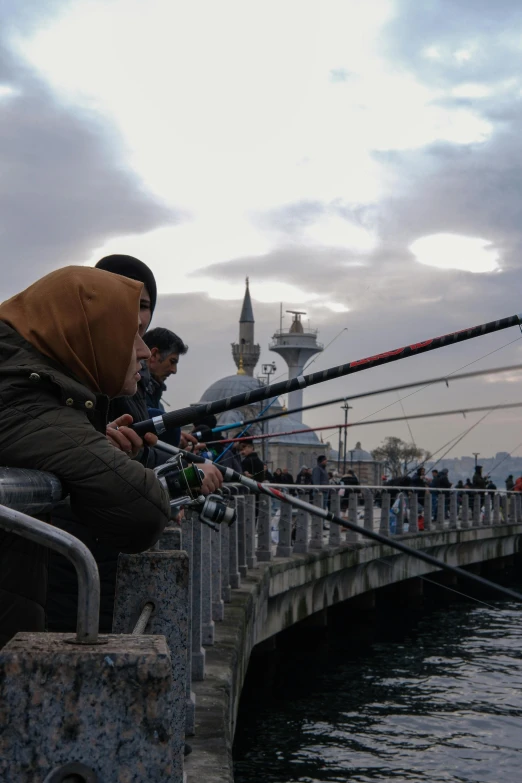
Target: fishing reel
(184, 484)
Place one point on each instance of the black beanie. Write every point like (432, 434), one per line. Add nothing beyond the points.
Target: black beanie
(128, 266)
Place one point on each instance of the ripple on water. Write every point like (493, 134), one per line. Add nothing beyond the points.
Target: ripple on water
(444, 705)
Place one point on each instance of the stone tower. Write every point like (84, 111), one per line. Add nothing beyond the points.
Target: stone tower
(246, 352)
(296, 345)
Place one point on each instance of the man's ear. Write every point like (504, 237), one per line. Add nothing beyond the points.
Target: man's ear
(154, 353)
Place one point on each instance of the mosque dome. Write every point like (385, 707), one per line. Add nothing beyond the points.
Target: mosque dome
(229, 386)
(243, 382)
(288, 423)
(358, 454)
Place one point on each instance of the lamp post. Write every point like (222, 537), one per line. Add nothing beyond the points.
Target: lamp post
(268, 371)
(476, 454)
(345, 407)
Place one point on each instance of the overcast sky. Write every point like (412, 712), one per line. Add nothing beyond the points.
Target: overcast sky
(361, 161)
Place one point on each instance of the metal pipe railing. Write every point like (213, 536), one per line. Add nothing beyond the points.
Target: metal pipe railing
(81, 558)
(29, 491)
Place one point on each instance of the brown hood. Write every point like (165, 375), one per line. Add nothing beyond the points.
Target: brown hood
(85, 319)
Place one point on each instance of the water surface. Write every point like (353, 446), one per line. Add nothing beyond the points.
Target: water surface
(442, 702)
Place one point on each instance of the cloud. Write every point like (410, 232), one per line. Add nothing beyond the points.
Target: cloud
(64, 187)
(451, 251)
(309, 153)
(445, 41)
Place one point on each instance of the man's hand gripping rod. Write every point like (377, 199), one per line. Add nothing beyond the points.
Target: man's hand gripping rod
(179, 418)
(263, 489)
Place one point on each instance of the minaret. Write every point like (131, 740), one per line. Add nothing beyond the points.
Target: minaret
(246, 352)
(296, 346)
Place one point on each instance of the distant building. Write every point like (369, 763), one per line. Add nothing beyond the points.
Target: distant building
(296, 345)
(367, 470)
(246, 352)
(287, 451)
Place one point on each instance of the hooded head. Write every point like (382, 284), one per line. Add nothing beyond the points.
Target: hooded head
(76, 316)
(128, 266)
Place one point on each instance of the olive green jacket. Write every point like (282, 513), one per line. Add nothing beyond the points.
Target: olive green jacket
(50, 421)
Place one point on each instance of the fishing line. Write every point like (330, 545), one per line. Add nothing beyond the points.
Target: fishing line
(503, 459)
(461, 438)
(446, 587)
(458, 592)
(423, 388)
(247, 428)
(407, 422)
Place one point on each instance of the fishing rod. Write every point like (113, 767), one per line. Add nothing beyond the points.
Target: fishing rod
(455, 443)
(249, 425)
(362, 423)
(264, 489)
(451, 443)
(490, 472)
(179, 418)
(427, 382)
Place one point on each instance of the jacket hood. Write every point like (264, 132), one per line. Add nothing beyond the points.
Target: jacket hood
(83, 319)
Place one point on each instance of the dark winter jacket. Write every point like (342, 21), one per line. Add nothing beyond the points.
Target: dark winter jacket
(50, 421)
(154, 390)
(303, 478)
(253, 465)
(478, 481)
(319, 475)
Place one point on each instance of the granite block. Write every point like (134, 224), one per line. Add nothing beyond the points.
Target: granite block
(207, 623)
(163, 579)
(218, 607)
(264, 540)
(107, 706)
(250, 531)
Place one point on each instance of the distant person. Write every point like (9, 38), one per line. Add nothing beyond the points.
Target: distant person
(250, 462)
(510, 483)
(435, 484)
(304, 477)
(419, 480)
(286, 477)
(445, 483)
(349, 480)
(320, 476)
(491, 486)
(268, 476)
(518, 485)
(478, 481)
(319, 473)
(277, 476)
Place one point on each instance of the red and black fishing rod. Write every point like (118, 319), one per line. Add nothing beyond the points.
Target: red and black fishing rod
(193, 413)
(343, 426)
(264, 489)
(349, 397)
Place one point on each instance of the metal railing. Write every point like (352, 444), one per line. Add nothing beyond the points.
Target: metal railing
(39, 492)
(264, 530)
